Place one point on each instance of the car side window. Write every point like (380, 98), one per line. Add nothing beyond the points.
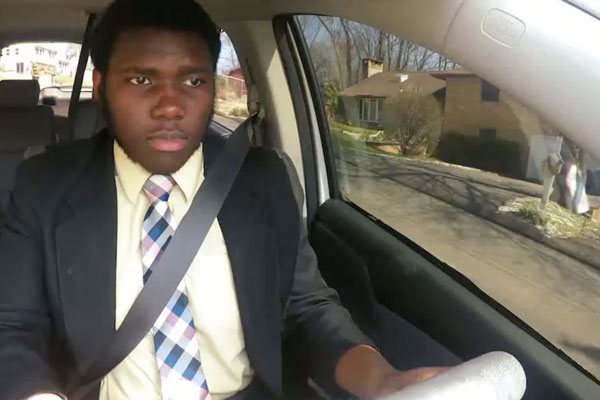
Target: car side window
(463, 169)
(54, 64)
(231, 93)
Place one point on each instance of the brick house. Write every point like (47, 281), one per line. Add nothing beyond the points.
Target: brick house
(471, 106)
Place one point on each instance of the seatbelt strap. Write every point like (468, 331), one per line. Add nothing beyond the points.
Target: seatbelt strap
(80, 73)
(175, 261)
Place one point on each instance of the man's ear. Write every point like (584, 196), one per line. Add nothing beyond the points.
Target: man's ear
(97, 79)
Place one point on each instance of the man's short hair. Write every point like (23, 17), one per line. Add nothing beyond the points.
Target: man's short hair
(172, 15)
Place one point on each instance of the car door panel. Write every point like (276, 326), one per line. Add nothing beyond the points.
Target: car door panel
(355, 250)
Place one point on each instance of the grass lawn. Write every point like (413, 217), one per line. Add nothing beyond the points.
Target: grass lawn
(555, 221)
(350, 128)
(342, 139)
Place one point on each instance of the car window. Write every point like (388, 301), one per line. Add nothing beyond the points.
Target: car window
(53, 65)
(462, 168)
(231, 93)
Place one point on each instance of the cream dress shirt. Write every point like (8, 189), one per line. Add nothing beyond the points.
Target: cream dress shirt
(209, 284)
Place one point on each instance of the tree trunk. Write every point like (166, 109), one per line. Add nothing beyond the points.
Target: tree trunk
(348, 53)
(399, 56)
(380, 41)
(334, 43)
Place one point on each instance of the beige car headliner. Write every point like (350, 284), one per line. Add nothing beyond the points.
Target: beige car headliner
(65, 19)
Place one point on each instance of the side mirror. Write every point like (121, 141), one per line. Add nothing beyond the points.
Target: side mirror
(49, 101)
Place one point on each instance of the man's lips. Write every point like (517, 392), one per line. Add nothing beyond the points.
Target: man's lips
(168, 141)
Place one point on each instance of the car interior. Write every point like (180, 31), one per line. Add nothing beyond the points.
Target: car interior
(417, 309)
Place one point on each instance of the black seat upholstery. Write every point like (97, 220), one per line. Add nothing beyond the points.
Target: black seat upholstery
(25, 129)
(88, 119)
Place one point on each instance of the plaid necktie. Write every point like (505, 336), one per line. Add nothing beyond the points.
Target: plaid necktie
(175, 344)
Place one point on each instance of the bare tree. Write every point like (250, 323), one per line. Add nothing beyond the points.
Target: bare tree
(310, 37)
(229, 55)
(348, 52)
(380, 48)
(338, 47)
(72, 52)
(334, 38)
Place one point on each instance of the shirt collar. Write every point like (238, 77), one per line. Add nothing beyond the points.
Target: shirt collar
(191, 174)
(133, 176)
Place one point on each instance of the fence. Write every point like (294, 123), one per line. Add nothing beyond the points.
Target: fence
(230, 87)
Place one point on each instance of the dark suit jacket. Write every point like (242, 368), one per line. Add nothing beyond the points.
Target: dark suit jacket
(57, 271)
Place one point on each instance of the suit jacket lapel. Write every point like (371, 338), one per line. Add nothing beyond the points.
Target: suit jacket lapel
(86, 256)
(86, 262)
(253, 255)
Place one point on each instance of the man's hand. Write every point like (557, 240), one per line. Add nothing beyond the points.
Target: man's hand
(45, 396)
(364, 372)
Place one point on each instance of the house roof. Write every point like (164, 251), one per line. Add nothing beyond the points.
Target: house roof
(388, 84)
(453, 73)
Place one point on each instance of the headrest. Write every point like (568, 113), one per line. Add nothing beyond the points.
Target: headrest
(22, 127)
(19, 93)
(88, 119)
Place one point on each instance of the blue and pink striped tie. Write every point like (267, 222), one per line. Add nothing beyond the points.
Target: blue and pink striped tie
(175, 343)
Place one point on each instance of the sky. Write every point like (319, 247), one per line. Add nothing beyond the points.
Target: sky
(227, 54)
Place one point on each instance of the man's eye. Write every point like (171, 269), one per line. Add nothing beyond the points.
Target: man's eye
(140, 80)
(194, 82)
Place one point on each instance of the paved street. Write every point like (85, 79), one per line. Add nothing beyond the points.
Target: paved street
(555, 294)
(226, 122)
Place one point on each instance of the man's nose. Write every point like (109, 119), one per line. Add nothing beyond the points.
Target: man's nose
(169, 105)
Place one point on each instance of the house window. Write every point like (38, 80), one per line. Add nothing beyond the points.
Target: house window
(487, 133)
(489, 92)
(20, 68)
(370, 109)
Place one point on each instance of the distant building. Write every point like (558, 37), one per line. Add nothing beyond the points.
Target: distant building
(371, 67)
(236, 73)
(43, 62)
(472, 107)
(237, 83)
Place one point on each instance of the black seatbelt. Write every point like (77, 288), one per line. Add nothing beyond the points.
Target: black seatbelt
(80, 74)
(175, 261)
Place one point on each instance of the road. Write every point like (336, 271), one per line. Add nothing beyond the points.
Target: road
(555, 294)
(226, 122)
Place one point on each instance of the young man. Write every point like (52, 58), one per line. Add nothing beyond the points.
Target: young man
(87, 222)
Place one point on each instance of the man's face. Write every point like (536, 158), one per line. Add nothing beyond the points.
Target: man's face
(159, 92)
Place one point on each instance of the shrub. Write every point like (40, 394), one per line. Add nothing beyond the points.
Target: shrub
(239, 112)
(533, 214)
(413, 119)
(331, 98)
